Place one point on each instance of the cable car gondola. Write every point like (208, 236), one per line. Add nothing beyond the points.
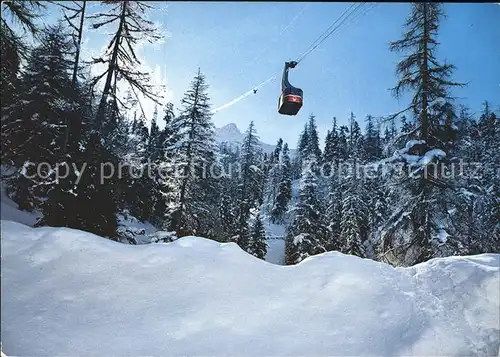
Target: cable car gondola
(291, 98)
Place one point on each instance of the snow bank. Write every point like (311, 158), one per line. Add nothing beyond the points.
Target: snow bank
(67, 292)
(9, 210)
(130, 229)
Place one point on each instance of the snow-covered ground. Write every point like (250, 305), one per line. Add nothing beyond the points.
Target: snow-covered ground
(9, 210)
(275, 251)
(275, 242)
(127, 225)
(67, 292)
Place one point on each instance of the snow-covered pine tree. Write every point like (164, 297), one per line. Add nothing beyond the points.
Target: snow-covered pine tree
(373, 184)
(335, 185)
(355, 142)
(250, 182)
(161, 158)
(13, 47)
(343, 148)
(258, 245)
(312, 150)
(488, 182)
(333, 211)
(467, 211)
(192, 209)
(154, 132)
(301, 152)
(139, 191)
(372, 142)
(390, 134)
(275, 155)
(332, 157)
(46, 95)
(33, 127)
(354, 211)
(169, 135)
(228, 204)
(274, 174)
(307, 234)
(284, 194)
(303, 140)
(413, 230)
(153, 187)
(353, 224)
(107, 127)
(331, 152)
(63, 205)
(139, 138)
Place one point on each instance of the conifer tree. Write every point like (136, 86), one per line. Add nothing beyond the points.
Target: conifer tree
(72, 14)
(120, 57)
(312, 150)
(334, 212)
(162, 158)
(306, 235)
(421, 206)
(343, 148)
(13, 47)
(153, 140)
(228, 205)
(250, 182)
(331, 153)
(274, 175)
(284, 194)
(32, 128)
(355, 142)
(372, 143)
(353, 225)
(192, 208)
(258, 245)
(302, 148)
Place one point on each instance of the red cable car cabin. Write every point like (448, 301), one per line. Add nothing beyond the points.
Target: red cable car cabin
(291, 98)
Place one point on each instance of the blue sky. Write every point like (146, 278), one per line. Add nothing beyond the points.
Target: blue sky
(234, 44)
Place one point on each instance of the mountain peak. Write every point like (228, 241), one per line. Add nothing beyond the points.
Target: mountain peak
(231, 127)
(229, 133)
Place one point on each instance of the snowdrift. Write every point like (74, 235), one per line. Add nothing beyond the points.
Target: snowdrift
(9, 210)
(67, 292)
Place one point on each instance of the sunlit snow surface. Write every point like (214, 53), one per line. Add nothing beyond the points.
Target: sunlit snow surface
(71, 293)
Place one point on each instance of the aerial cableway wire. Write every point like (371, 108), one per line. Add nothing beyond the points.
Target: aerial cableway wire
(334, 27)
(282, 32)
(254, 89)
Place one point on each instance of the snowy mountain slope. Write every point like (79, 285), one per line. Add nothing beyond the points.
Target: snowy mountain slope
(231, 134)
(67, 292)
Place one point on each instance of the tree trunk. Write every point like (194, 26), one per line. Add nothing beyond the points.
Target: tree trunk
(424, 119)
(75, 72)
(111, 69)
(182, 197)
